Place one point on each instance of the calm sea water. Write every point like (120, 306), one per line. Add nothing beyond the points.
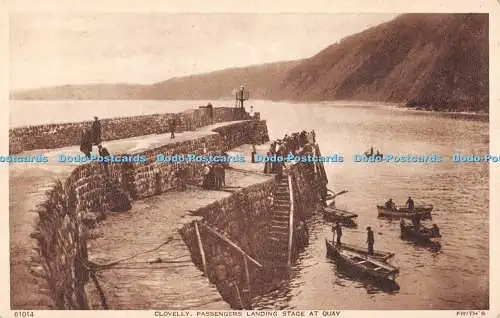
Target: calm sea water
(454, 278)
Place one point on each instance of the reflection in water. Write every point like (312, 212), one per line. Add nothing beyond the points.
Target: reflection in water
(372, 286)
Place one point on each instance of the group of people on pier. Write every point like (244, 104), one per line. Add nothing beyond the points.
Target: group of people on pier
(296, 144)
(214, 176)
(90, 137)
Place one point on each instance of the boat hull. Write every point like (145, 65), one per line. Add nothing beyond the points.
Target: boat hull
(379, 255)
(364, 266)
(423, 236)
(334, 215)
(424, 212)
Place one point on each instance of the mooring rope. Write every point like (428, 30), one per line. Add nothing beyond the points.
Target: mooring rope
(108, 265)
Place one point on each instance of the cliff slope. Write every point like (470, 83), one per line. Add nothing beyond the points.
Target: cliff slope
(433, 61)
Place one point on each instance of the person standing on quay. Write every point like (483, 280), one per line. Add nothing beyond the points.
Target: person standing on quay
(370, 240)
(211, 112)
(86, 143)
(173, 123)
(103, 152)
(96, 131)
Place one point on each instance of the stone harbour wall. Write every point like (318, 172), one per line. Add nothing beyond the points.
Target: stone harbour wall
(243, 218)
(52, 136)
(60, 257)
(307, 183)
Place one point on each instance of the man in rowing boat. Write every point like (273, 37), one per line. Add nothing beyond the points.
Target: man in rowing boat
(435, 231)
(390, 205)
(370, 240)
(410, 204)
(337, 229)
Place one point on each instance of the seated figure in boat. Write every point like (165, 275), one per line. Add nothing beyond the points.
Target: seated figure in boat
(435, 230)
(390, 205)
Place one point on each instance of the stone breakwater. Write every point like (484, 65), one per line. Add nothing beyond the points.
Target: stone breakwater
(245, 219)
(52, 136)
(60, 258)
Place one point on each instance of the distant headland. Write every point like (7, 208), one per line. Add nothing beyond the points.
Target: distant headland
(434, 62)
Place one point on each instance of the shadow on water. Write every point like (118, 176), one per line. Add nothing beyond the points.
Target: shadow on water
(372, 286)
(433, 246)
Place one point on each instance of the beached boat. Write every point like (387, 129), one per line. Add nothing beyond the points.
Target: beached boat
(425, 235)
(379, 255)
(424, 211)
(365, 265)
(342, 216)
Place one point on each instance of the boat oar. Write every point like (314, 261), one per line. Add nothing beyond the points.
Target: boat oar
(334, 195)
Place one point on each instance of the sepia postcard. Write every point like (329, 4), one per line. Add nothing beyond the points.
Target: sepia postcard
(256, 158)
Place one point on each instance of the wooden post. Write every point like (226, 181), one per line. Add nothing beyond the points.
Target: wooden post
(236, 247)
(200, 246)
(290, 224)
(247, 272)
(238, 295)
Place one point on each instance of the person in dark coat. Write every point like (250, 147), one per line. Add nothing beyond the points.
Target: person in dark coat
(120, 202)
(410, 204)
(254, 152)
(267, 164)
(223, 174)
(279, 166)
(390, 205)
(103, 152)
(208, 178)
(96, 131)
(217, 176)
(173, 123)
(86, 142)
(370, 240)
(181, 174)
(338, 230)
(210, 111)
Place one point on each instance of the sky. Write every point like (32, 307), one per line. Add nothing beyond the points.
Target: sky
(49, 49)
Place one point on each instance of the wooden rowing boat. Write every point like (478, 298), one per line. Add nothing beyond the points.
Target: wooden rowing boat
(424, 211)
(379, 255)
(334, 214)
(425, 235)
(365, 265)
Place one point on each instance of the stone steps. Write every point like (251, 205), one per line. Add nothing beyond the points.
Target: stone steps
(277, 249)
(279, 222)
